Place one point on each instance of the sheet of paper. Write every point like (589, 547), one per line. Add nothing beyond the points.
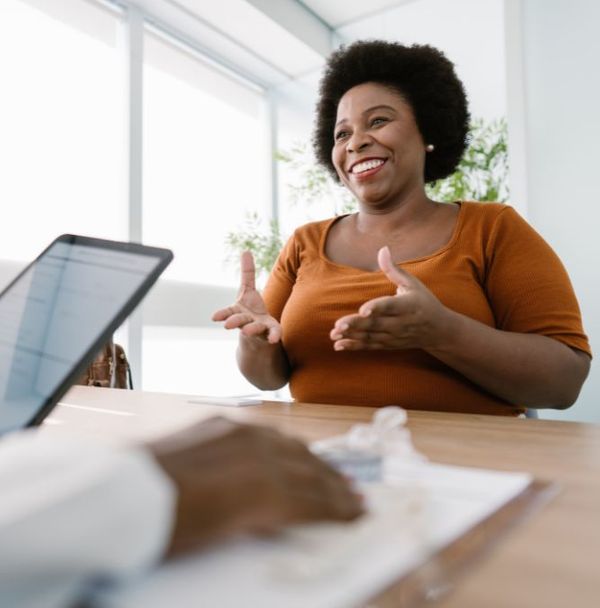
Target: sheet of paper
(328, 565)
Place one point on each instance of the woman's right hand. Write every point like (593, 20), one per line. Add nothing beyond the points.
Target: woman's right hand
(249, 312)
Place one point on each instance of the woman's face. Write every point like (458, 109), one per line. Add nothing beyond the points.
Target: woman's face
(378, 151)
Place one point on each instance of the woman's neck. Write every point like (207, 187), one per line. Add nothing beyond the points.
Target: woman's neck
(411, 209)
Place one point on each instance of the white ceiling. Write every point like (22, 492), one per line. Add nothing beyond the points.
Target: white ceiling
(274, 40)
(258, 32)
(341, 12)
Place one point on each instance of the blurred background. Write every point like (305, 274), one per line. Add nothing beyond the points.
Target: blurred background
(186, 124)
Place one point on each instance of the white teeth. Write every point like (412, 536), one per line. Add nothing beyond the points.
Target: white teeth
(366, 165)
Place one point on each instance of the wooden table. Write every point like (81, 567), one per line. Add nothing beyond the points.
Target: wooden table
(550, 560)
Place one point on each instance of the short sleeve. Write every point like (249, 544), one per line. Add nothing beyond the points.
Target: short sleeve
(527, 285)
(282, 278)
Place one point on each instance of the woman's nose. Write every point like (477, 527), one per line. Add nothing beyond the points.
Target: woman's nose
(358, 141)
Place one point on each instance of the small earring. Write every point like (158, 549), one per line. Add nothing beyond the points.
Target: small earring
(430, 148)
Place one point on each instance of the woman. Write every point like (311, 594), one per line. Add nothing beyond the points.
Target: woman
(451, 307)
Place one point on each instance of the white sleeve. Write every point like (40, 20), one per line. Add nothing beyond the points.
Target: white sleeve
(73, 512)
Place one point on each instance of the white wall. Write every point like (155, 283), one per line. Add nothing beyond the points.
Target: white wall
(561, 55)
(469, 32)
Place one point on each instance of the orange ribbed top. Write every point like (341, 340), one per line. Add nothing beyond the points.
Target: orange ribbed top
(495, 269)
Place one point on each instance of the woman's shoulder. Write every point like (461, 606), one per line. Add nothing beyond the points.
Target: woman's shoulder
(484, 208)
(499, 226)
(489, 214)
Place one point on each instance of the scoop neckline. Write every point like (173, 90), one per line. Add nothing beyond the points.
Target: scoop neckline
(424, 258)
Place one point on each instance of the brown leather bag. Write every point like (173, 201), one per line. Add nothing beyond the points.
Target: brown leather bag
(110, 369)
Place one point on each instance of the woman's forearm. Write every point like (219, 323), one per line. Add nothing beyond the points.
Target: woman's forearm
(264, 364)
(524, 369)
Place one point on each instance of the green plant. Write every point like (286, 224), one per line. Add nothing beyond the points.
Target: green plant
(312, 184)
(261, 238)
(481, 175)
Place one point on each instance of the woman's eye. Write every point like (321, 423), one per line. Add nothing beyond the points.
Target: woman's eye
(340, 135)
(378, 121)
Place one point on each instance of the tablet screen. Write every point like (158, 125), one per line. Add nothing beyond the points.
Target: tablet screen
(54, 313)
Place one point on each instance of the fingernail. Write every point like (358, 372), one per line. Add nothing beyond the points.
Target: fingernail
(338, 347)
(344, 326)
(366, 313)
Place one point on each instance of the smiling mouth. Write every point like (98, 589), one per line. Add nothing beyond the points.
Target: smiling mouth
(367, 166)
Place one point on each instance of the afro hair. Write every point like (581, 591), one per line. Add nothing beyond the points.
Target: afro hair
(421, 74)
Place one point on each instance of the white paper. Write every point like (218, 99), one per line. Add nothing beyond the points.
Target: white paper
(423, 508)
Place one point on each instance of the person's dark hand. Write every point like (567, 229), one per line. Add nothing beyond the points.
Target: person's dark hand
(413, 318)
(249, 312)
(236, 478)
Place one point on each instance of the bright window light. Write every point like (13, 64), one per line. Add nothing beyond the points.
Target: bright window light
(205, 160)
(200, 361)
(62, 144)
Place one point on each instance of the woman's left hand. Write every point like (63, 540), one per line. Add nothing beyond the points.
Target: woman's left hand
(413, 318)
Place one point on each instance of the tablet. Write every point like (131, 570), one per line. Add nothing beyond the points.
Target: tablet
(59, 312)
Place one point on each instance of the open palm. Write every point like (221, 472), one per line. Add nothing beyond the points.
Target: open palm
(249, 312)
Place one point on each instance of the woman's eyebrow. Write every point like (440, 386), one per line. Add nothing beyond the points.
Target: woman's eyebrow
(379, 107)
(367, 111)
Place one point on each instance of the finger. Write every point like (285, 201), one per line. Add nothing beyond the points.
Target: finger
(383, 337)
(238, 320)
(325, 506)
(312, 467)
(345, 503)
(248, 280)
(348, 329)
(343, 323)
(385, 305)
(313, 495)
(348, 344)
(224, 313)
(328, 499)
(254, 328)
(337, 333)
(402, 279)
(382, 314)
(274, 335)
(294, 455)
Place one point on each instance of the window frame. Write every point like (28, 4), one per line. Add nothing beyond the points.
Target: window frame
(161, 306)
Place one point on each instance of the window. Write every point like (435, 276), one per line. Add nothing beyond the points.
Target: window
(64, 164)
(205, 164)
(62, 149)
(192, 360)
(205, 160)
